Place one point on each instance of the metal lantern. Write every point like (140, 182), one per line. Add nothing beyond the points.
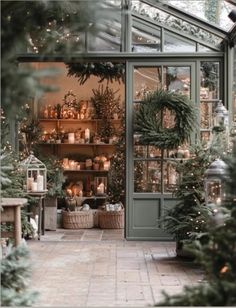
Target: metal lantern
(36, 175)
(100, 185)
(215, 176)
(221, 116)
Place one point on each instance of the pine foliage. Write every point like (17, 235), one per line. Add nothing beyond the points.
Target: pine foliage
(190, 215)
(217, 255)
(15, 278)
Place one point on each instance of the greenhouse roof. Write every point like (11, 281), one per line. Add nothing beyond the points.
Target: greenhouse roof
(215, 12)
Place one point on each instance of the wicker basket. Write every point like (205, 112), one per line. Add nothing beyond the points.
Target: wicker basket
(111, 219)
(77, 220)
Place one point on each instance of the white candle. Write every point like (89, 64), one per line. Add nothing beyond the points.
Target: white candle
(29, 183)
(34, 186)
(87, 134)
(172, 179)
(106, 165)
(40, 183)
(71, 137)
(101, 189)
(218, 201)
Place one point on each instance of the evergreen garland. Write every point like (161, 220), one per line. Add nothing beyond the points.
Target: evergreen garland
(148, 120)
(104, 70)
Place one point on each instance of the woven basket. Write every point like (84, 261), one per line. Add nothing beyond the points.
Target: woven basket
(77, 220)
(111, 219)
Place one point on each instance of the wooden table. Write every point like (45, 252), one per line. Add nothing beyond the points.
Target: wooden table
(12, 213)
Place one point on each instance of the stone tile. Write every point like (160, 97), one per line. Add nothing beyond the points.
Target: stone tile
(98, 268)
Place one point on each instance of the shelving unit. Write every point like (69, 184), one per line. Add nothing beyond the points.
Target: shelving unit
(73, 151)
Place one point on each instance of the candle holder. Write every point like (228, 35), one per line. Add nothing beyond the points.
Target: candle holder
(36, 174)
(215, 177)
(100, 185)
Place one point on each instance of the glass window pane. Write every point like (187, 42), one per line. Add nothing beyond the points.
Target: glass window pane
(174, 43)
(145, 42)
(171, 177)
(207, 109)
(202, 48)
(177, 79)
(146, 80)
(210, 80)
(140, 151)
(154, 152)
(147, 176)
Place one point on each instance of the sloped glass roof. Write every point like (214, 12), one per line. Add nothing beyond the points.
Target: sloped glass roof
(150, 12)
(213, 11)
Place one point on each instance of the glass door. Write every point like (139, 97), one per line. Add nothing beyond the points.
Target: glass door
(152, 171)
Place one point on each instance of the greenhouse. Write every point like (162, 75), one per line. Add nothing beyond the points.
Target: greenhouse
(119, 116)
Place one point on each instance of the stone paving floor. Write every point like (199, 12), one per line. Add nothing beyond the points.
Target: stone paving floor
(98, 268)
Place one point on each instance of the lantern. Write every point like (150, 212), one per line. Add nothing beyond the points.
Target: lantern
(215, 176)
(221, 116)
(36, 174)
(100, 185)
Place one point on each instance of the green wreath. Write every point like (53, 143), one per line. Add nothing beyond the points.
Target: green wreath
(148, 119)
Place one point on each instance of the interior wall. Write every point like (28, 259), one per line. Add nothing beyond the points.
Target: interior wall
(65, 83)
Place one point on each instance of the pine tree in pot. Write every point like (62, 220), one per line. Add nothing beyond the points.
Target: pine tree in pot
(55, 180)
(190, 216)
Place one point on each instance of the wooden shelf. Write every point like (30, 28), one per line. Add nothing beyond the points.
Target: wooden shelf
(76, 120)
(81, 144)
(84, 170)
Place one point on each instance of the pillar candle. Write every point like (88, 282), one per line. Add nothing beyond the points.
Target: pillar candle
(101, 189)
(71, 137)
(29, 183)
(40, 183)
(34, 186)
(87, 134)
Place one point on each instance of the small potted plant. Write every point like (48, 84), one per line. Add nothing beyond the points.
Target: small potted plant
(55, 180)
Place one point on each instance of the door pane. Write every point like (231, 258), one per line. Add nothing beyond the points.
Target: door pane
(147, 176)
(210, 80)
(146, 80)
(177, 79)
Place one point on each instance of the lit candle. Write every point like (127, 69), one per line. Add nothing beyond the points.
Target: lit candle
(40, 182)
(100, 189)
(106, 165)
(87, 135)
(186, 153)
(29, 183)
(71, 137)
(34, 186)
(69, 191)
(218, 201)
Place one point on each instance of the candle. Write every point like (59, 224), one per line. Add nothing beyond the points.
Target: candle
(186, 153)
(69, 191)
(172, 179)
(218, 201)
(106, 165)
(40, 183)
(72, 164)
(87, 135)
(71, 137)
(34, 186)
(29, 183)
(100, 189)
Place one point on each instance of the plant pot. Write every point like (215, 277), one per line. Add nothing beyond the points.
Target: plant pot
(182, 251)
(50, 204)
